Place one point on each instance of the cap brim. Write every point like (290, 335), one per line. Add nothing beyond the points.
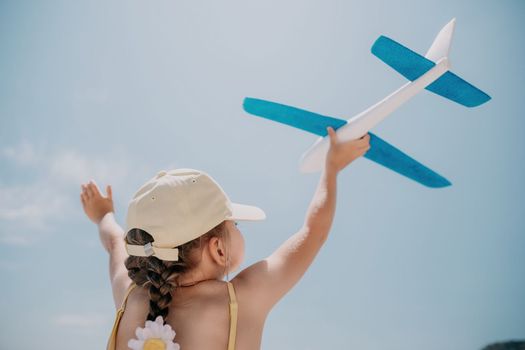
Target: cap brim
(246, 212)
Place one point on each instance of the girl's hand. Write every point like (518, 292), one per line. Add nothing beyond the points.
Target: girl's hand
(95, 205)
(341, 154)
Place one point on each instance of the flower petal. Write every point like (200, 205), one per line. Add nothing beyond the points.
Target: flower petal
(168, 334)
(135, 344)
(155, 326)
(159, 320)
(173, 346)
(139, 332)
(147, 333)
(167, 327)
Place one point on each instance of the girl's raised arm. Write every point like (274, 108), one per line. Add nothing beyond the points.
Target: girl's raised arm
(118, 274)
(99, 209)
(268, 280)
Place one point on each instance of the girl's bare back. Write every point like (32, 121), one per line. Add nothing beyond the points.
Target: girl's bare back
(200, 314)
(200, 317)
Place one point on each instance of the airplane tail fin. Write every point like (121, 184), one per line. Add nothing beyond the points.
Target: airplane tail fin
(441, 45)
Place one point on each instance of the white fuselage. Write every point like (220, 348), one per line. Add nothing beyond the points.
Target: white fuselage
(313, 159)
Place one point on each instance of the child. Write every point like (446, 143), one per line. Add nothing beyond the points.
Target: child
(182, 240)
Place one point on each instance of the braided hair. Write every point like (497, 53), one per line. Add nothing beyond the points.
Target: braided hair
(159, 276)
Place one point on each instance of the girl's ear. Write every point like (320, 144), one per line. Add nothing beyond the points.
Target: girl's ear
(217, 251)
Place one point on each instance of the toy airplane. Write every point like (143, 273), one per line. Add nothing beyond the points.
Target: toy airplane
(430, 72)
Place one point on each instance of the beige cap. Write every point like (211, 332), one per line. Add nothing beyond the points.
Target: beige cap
(177, 206)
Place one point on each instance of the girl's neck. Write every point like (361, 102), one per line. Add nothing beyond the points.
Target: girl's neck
(190, 284)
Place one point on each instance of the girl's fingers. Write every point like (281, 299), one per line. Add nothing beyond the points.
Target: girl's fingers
(82, 198)
(86, 192)
(355, 144)
(94, 188)
(363, 141)
(109, 192)
(331, 132)
(363, 150)
(89, 191)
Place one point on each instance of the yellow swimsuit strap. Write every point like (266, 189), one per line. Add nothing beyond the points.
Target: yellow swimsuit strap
(233, 317)
(112, 339)
(130, 288)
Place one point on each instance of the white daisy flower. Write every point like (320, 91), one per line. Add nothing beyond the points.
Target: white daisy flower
(154, 336)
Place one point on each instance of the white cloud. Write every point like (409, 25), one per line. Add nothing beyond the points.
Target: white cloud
(10, 238)
(72, 167)
(23, 154)
(29, 210)
(30, 204)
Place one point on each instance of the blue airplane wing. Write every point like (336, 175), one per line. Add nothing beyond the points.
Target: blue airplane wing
(454, 88)
(298, 118)
(412, 65)
(387, 155)
(380, 151)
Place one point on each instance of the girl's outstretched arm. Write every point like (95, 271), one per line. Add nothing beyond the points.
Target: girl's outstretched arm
(99, 209)
(267, 281)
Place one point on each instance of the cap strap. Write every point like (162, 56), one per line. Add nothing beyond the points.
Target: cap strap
(169, 254)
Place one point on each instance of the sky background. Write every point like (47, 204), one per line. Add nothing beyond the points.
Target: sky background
(117, 90)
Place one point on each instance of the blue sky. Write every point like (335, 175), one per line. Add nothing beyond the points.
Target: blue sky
(118, 90)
